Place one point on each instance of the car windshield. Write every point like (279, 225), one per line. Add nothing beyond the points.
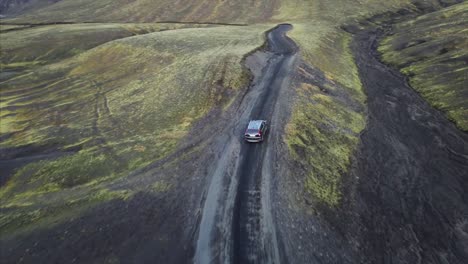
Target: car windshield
(252, 131)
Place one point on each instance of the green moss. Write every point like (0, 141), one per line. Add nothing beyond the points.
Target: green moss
(150, 11)
(75, 169)
(20, 65)
(322, 134)
(52, 43)
(45, 177)
(10, 27)
(125, 104)
(134, 99)
(431, 51)
(161, 186)
(323, 130)
(26, 217)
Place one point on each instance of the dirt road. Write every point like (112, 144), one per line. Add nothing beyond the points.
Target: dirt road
(405, 196)
(236, 224)
(404, 199)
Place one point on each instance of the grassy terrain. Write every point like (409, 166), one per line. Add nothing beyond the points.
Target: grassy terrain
(324, 127)
(327, 119)
(122, 105)
(8, 7)
(112, 106)
(47, 44)
(10, 27)
(152, 11)
(432, 50)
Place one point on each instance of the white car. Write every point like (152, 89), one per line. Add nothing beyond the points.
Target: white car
(256, 131)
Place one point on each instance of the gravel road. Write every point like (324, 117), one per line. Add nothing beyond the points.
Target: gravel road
(236, 224)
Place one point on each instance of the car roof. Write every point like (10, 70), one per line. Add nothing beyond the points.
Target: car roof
(255, 124)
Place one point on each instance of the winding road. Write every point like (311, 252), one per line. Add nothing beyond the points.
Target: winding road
(236, 224)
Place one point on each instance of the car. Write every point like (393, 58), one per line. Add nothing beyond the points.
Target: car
(255, 131)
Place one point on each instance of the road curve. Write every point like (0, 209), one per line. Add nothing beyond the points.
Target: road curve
(236, 224)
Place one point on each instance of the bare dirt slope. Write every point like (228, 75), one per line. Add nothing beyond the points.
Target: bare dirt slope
(404, 199)
(411, 177)
(432, 51)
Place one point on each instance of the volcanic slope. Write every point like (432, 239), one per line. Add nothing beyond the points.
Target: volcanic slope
(115, 108)
(135, 112)
(146, 11)
(410, 180)
(432, 50)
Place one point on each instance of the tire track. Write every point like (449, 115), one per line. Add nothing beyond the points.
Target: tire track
(236, 224)
(101, 110)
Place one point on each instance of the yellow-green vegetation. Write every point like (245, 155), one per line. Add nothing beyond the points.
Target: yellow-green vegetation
(124, 104)
(323, 131)
(152, 11)
(323, 127)
(432, 50)
(45, 44)
(161, 186)
(21, 215)
(11, 27)
(70, 170)
(111, 102)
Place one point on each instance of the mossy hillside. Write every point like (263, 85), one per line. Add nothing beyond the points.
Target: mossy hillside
(12, 7)
(123, 104)
(125, 100)
(152, 11)
(326, 129)
(110, 103)
(20, 216)
(217, 11)
(323, 128)
(4, 28)
(432, 51)
(58, 84)
(322, 135)
(325, 123)
(51, 43)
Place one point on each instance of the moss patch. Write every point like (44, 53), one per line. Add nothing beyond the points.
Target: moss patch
(326, 120)
(322, 135)
(20, 215)
(41, 45)
(432, 50)
(125, 104)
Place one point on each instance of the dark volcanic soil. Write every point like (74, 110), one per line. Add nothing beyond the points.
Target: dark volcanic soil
(250, 243)
(210, 183)
(410, 181)
(405, 198)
